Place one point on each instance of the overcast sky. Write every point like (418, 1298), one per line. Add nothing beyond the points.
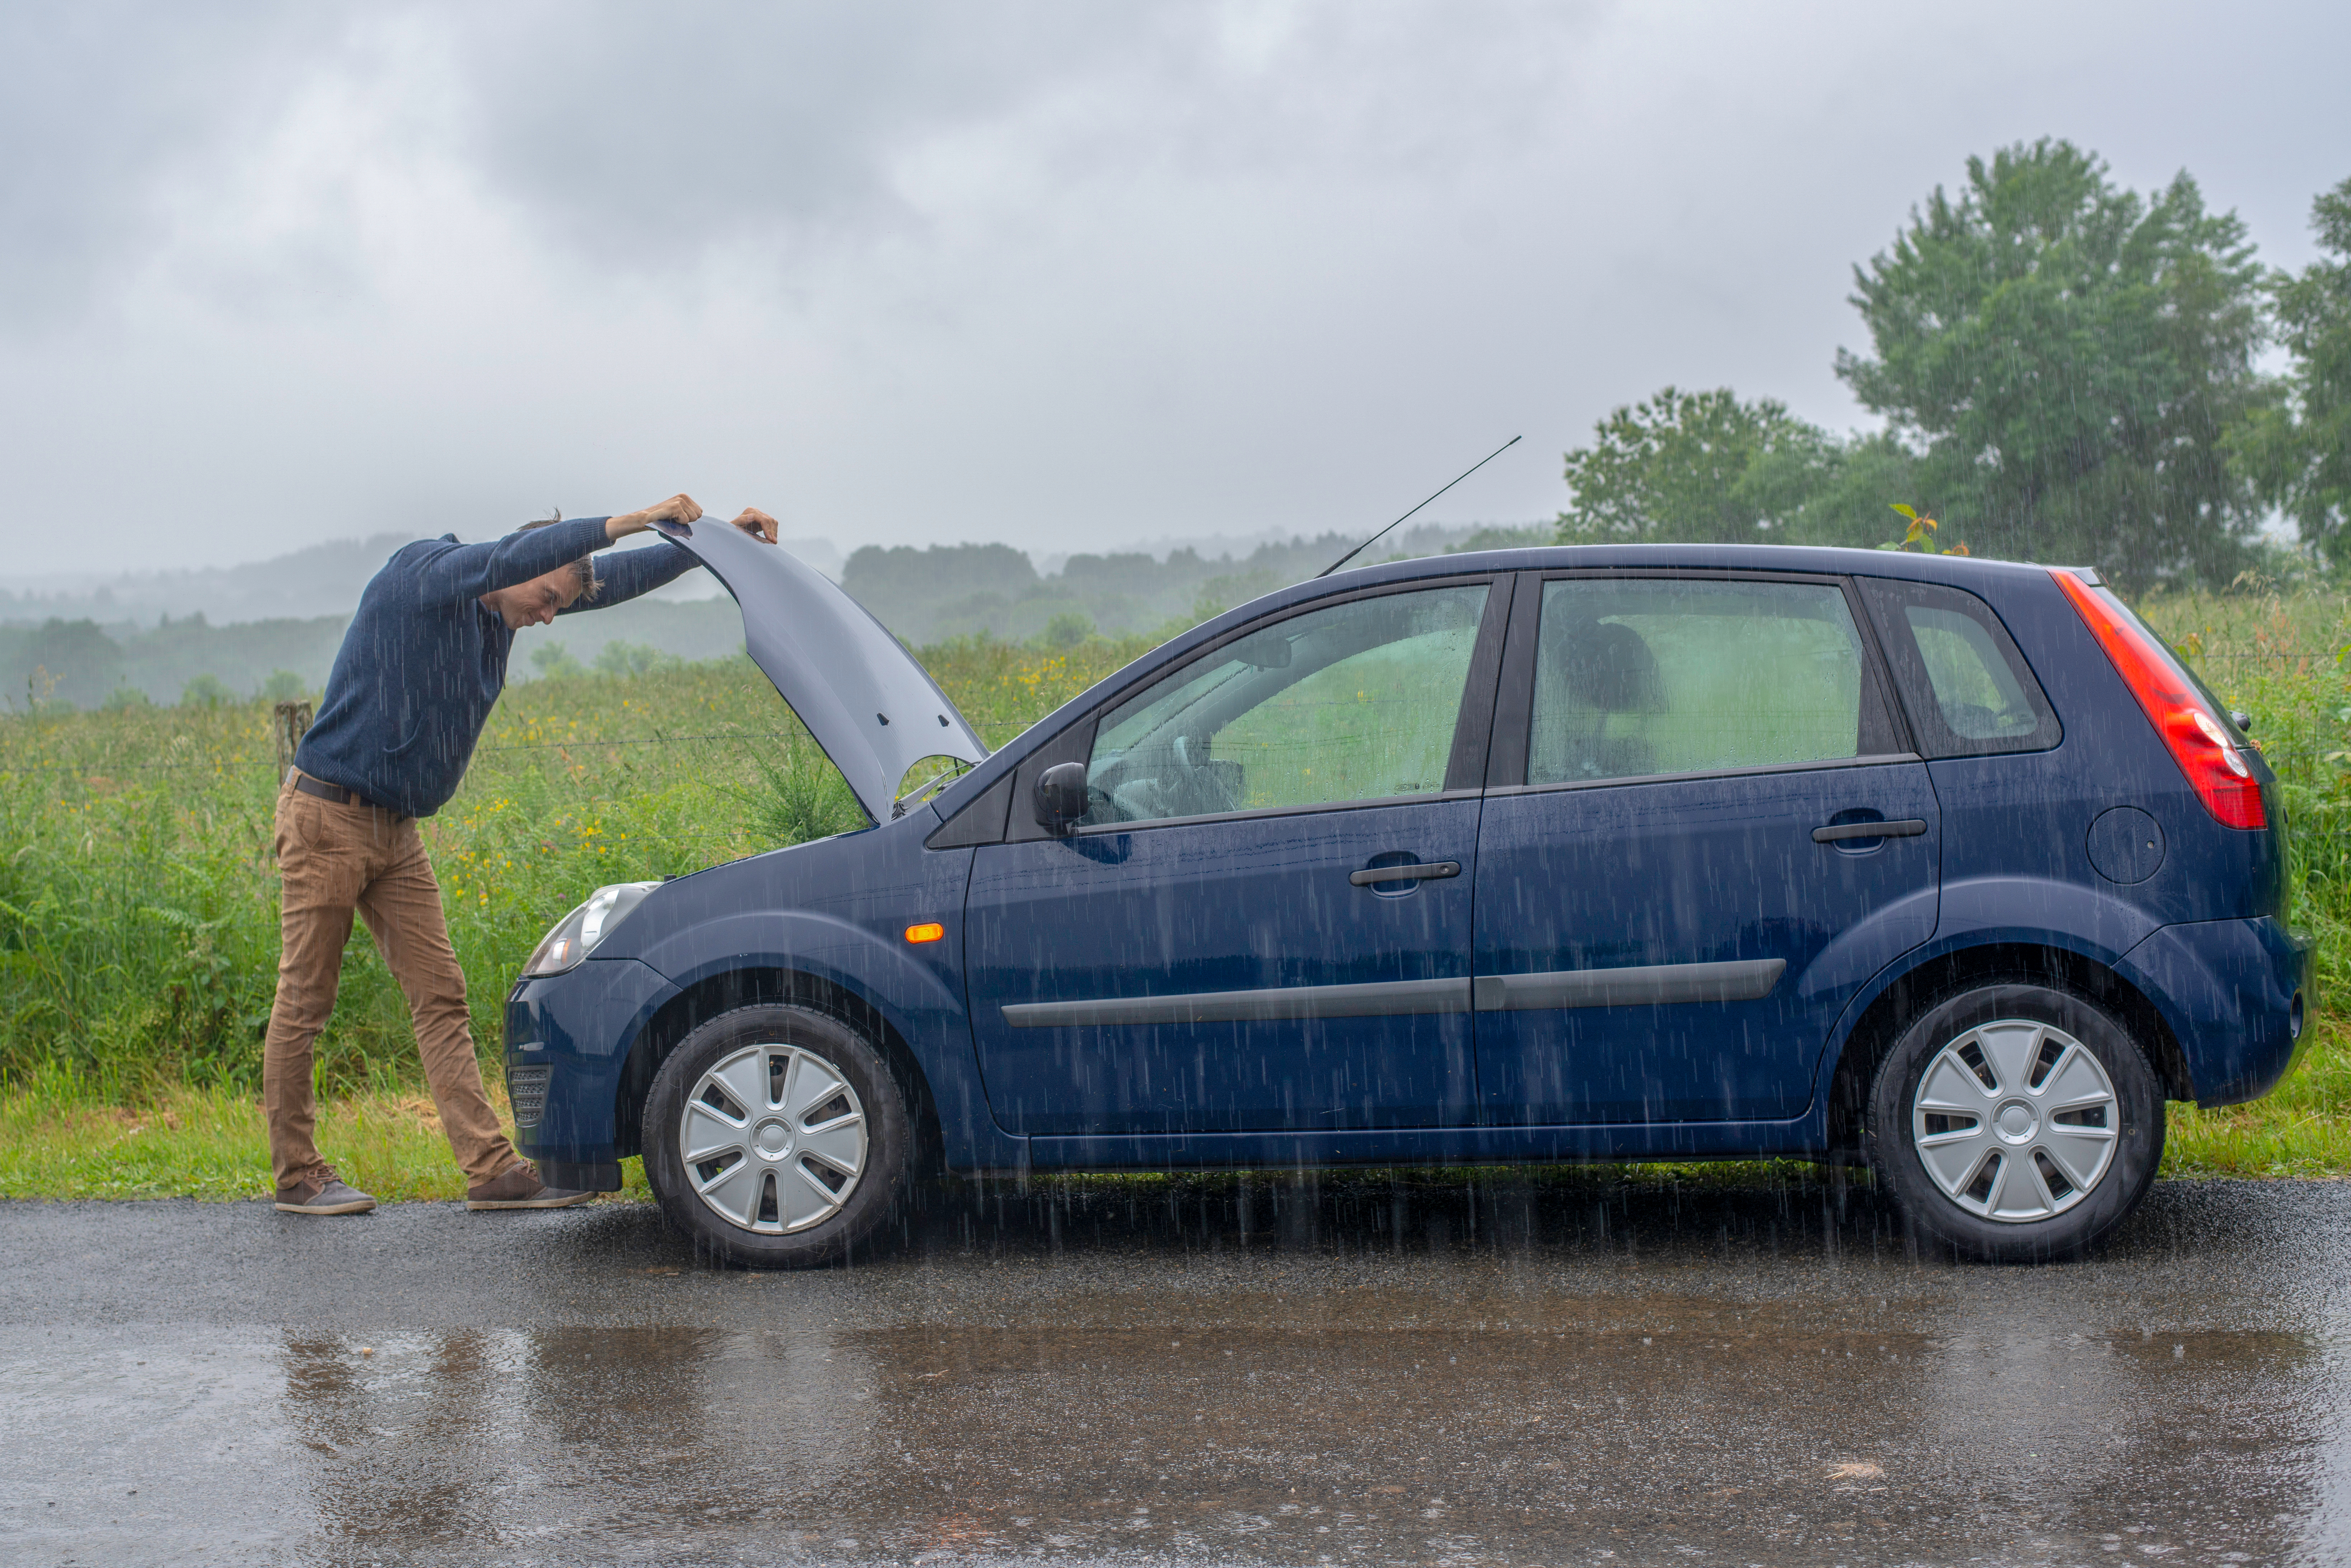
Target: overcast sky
(1063, 275)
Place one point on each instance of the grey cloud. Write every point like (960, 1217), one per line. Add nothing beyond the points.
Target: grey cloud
(1053, 272)
(106, 106)
(644, 132)
(648, 133)
(639, 137)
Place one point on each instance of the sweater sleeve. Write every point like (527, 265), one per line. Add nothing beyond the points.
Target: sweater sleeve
(621, 575)
(460, 572)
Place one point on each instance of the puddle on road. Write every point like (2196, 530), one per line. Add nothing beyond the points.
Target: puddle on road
(1229, 1402)
(1509, 1444)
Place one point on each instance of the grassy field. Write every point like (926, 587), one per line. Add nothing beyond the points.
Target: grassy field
(138, 905)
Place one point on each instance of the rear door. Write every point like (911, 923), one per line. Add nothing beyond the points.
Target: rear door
(1216, 948)
(1703, 833)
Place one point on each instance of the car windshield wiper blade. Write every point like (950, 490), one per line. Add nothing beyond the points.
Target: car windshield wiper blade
(926, 789)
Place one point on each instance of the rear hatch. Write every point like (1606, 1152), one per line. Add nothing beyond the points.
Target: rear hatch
(870, 705)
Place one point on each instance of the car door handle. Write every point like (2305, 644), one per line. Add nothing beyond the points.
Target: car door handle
(1906, 830)
(1430, 871)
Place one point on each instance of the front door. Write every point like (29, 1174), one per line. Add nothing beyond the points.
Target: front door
(1686, 881)
(1263, 921)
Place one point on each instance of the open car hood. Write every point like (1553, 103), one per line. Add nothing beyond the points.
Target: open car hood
(874, 710)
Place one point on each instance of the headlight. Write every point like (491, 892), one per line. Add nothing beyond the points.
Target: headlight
(576, 935)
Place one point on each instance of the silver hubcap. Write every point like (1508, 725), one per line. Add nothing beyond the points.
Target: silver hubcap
(2015, 1121)
(774, 1139)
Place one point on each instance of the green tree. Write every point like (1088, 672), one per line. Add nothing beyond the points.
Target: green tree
(618, 658)
(1706, 467)
(1068, 629)
(2299, 451)
(904, 585)
(553, 659)
(2066, 356)
(63, 663)
(207, 691)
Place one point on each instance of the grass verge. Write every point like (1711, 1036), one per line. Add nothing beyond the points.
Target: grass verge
(2300, 1129)
(209, 1143)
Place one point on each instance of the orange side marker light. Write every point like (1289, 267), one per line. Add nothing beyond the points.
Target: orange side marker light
(929, 931)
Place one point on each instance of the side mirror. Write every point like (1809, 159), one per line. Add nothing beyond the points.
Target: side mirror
(1060, 796)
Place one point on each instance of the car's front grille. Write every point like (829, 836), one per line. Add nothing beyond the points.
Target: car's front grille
(527, 1088)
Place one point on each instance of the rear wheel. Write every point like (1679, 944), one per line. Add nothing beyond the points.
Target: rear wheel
(776, 1136)
(2015, 1123)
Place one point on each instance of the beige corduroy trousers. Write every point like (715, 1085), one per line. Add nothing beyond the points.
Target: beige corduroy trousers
(338, 860)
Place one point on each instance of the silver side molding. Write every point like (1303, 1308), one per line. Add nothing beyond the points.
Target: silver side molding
(1650, 985)
(1647, 985)
(1379, 999)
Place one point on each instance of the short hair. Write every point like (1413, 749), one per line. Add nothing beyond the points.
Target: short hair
(583, 570)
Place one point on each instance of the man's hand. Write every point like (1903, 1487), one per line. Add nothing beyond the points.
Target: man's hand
(757, 524)
(678, 508)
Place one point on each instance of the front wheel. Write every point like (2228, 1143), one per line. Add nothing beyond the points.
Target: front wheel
(776, 1136)
(2015, 1123)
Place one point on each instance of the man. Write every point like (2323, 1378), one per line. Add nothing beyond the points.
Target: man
(419, 670)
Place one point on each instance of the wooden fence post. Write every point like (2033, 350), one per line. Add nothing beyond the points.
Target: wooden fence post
(289, 723)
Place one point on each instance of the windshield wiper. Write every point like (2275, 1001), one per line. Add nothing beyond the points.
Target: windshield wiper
(926, 789)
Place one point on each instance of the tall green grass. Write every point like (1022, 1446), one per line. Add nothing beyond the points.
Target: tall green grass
(138, 896)
(2285, 660)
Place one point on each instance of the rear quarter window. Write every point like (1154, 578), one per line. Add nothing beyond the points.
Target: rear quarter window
(1966, 690)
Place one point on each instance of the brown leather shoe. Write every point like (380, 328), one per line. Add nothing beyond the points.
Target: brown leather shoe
(323, 1192)
(519, 1188)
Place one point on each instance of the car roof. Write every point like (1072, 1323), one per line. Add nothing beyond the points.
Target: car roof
(1958, 570)
(1972, 572)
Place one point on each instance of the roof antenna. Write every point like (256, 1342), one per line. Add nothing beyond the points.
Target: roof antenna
(1456, 480)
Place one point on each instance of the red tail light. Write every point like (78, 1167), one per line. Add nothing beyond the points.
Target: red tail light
(2195, 737)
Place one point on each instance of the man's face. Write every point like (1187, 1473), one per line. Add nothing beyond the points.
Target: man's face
(534, 604)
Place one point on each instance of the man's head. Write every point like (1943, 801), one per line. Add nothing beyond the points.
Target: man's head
(537, 603)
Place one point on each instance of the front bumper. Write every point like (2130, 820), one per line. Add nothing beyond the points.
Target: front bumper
(2239, 996)
(569, 1038)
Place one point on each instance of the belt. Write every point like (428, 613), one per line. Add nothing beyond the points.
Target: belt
(335, 793)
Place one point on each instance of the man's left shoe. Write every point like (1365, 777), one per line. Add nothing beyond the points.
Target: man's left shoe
(520, 1188)
(322, 1192)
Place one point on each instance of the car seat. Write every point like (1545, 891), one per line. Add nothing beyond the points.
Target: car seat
(1607, 666)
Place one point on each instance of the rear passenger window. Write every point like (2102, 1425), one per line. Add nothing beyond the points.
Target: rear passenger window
(1649, 676)
(1968, 691)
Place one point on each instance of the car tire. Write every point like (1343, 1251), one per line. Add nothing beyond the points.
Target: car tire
(2015, 1123)
(777, 1137)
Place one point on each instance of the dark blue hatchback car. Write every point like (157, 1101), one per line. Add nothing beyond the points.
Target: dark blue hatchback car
(1545, 855)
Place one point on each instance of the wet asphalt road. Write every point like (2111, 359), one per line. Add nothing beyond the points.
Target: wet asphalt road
(1518, 1371)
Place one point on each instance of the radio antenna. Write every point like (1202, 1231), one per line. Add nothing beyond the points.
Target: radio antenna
(1456, 480)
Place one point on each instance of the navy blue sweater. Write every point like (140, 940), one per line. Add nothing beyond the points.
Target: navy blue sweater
(423, 661)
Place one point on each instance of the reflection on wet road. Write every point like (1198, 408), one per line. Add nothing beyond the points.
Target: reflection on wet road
(1518, 1371)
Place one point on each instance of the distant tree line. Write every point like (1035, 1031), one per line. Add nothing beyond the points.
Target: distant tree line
(79, 664)
(941, 591)
(2067, 372)
(188, 660)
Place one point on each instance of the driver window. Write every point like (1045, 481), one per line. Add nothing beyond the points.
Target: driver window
(1353, 702)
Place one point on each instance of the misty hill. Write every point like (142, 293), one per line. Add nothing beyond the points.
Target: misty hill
(923, 595)
(958, 590)
(315, 581)
(82, 663)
